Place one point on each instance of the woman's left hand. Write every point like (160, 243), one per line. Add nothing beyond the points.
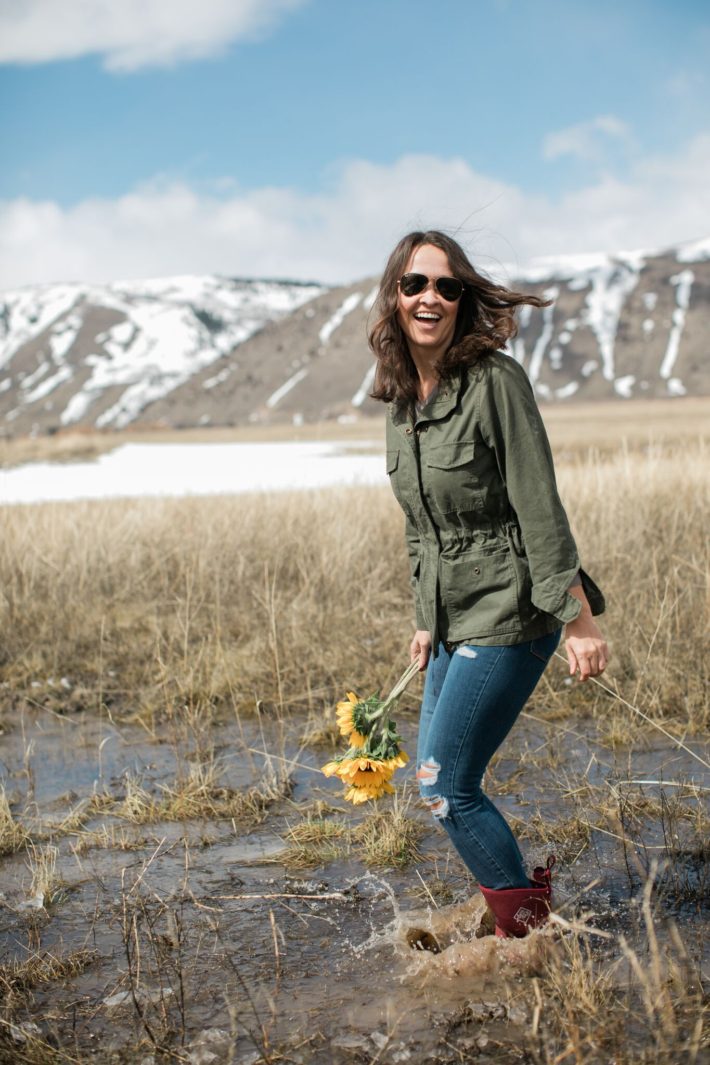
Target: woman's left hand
(586, 648)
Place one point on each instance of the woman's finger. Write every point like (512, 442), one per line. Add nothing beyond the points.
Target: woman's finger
(572, 659)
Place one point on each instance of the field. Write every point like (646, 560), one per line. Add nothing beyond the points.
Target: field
(178, 882)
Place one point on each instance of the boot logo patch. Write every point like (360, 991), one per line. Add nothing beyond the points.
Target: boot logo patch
(523, 915)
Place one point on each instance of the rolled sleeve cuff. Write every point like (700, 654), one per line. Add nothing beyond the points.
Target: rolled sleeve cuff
(552, 596)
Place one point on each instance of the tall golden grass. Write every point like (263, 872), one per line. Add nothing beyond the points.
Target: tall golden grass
(148, 606)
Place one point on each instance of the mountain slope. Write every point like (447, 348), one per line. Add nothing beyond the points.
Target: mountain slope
(205, 350)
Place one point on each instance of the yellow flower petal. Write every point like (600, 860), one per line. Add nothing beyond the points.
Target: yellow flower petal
(357, 739)
(357, 795)
(398, 761)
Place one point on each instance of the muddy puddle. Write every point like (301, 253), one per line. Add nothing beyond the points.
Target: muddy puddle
(166, 902)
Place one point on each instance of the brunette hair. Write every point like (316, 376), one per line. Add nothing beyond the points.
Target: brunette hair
(485, 320)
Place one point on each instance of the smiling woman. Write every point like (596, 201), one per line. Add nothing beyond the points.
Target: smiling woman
(494, 567)
(471, 315)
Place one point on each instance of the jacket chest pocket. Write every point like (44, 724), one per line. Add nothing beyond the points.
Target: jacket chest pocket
(449, 478)
(399, 483)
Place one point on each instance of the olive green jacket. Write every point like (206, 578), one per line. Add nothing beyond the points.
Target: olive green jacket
(491, 552)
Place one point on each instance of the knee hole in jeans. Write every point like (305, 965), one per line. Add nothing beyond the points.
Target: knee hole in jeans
(438, 805)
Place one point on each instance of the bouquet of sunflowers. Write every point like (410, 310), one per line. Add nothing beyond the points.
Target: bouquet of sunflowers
(374, 751)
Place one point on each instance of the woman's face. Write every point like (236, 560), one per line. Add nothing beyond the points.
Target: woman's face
(427, 319)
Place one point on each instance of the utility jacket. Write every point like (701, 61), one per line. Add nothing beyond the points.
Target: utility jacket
(490, 547)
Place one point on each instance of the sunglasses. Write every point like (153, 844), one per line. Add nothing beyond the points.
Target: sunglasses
(449, 288)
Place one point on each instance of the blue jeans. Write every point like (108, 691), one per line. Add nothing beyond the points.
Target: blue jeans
(472, 698)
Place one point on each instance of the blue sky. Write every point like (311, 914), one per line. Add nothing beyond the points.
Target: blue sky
(238, 136)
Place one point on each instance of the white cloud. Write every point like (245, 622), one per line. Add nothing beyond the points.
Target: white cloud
(345, 233)
(130, 33)
(586, 140)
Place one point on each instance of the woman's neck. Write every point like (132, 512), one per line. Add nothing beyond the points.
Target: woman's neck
(427, 376)
(425, 386)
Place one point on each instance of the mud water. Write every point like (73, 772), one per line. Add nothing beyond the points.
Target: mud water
(204, 940)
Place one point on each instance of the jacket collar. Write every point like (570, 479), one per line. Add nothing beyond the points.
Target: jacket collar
(438, 407)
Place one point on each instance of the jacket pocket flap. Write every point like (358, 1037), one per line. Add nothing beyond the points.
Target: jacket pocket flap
(449, 456)
(392, 460)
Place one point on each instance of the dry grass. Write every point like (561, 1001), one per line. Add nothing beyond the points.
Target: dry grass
(42, 863)
(388, 837)
(645, 1005)
(191, 610)
(19, 977)
(605, 422)
(199, 795)
(383, 838)
(158, 609)
(12, 835)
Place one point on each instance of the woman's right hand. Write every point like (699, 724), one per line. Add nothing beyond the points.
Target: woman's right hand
(420, 648)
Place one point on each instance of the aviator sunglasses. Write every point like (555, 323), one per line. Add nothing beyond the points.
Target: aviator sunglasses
(449, 288)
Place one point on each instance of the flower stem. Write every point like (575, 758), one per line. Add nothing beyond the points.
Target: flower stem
(406, 678)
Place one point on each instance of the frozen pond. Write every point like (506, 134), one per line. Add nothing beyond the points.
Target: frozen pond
(197, 469)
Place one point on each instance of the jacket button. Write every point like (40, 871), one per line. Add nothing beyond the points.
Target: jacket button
(408, 431)
(477, 570)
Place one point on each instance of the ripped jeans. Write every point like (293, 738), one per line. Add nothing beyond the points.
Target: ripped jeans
(472, 698)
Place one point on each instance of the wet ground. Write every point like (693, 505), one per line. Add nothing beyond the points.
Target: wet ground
(216, 938)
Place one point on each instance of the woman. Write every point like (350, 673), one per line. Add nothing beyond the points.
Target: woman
(494, 567)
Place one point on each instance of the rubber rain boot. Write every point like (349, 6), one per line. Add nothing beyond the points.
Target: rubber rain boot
(517, 910)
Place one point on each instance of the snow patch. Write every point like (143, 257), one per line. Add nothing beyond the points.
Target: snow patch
(623, 386)
(336, 320)
(610, 287)
(218, 378)
(63, 373)
(567, 390)
(369, 301)
(676, 387)
(285, 388)
(31, 378)
(650, 299)
(197, 469)
(364, 389)
(63, 336)
(694, 252)
(544, 339)
(516, 348)
(683, 282)
(27, 313)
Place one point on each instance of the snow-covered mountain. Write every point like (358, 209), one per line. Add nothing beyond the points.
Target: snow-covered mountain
(205, 350)
(100, 354)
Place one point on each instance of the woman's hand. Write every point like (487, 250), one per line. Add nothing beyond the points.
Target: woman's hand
(584, 643)
(420, 648)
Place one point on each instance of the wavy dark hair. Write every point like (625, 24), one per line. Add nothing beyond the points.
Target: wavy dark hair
(485, 320)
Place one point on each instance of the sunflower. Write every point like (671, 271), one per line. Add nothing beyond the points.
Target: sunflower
(374, 752)
(397, 762)
(357, 795)
(345, 714)
(364, 771)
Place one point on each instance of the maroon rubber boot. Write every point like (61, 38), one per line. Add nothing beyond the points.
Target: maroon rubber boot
(517, 910)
